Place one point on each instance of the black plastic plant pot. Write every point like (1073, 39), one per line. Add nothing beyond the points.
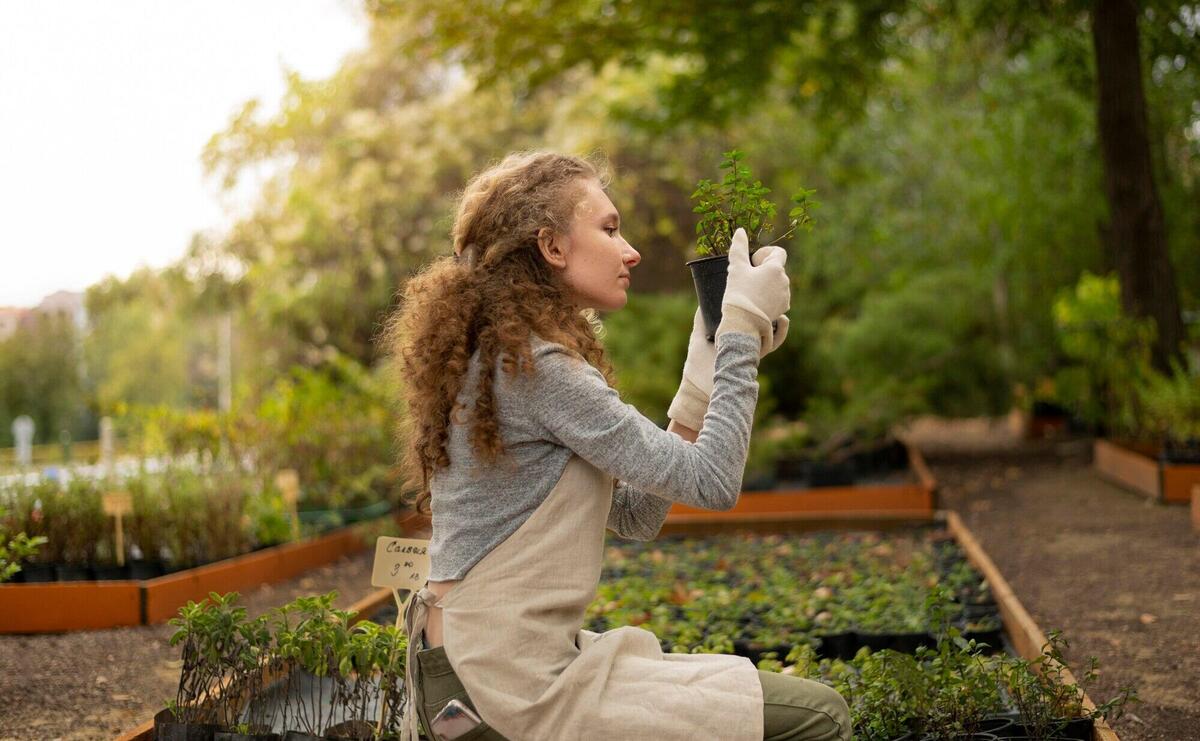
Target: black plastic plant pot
(73, 572)
(110, 572)
(35, 573)
(710, 274)
(1076, 729)
(1000, 726)
(832, 474)
(234, 736)
(905, 643)
(838, 645)
(795, 470)
(139, 570)
(756, 653)
(1185, 452)
(166, 729)
(357, 730)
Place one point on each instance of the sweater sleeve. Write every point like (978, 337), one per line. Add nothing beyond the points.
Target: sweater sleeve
(636, 515)
(574, 406)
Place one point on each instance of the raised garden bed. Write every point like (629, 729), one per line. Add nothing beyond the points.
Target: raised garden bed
(54, 607)
(1144, 471)
(960, 555)
(912, 491)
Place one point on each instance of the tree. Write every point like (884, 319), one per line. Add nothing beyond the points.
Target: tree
(830, 53)
(1136, 233)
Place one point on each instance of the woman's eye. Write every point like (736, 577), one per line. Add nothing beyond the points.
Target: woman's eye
(611, 230)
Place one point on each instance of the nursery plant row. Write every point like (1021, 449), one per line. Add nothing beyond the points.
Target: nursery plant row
(833, 592)
(931, 662)
(179, 518)
(309, 669)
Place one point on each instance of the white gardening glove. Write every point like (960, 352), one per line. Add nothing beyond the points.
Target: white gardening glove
(755, 294)
(691, 400)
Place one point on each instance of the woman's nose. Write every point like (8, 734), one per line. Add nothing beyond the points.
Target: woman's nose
(632, 257)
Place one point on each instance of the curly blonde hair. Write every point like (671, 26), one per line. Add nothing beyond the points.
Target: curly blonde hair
(491, 295)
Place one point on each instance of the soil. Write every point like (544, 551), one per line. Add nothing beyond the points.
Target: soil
(1117, 573)
(99, 684)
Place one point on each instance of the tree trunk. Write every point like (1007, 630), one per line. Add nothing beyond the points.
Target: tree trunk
(1136, 234)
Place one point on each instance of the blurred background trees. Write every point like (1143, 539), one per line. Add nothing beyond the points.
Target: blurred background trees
(957, 148)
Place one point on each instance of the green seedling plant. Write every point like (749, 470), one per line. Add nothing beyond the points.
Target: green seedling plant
(1039, 690)
(210, 634)
(14, 549)
(313, 646)
(738, 200)
(960, 682)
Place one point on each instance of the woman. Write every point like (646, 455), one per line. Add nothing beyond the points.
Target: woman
(529, 454)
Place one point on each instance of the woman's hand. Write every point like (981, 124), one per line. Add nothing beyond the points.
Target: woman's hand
(756, 293)
(691, 400)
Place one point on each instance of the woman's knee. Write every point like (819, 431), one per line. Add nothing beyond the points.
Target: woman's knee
(796, 709)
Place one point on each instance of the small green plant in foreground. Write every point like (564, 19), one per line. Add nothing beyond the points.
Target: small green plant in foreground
(14, 549)
(740, 201)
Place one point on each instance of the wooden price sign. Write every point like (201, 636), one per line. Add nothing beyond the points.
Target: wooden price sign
(401, 564)
(117, 504)
(288, 483)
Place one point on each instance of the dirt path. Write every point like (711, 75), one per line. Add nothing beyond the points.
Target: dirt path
(98, 684)
(1118, 574)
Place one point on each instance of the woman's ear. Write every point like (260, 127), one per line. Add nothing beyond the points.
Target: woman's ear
(551, 245)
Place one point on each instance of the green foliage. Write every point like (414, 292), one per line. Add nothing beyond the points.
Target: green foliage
(1039, 691)
(1110, 354)
(15, 547)
(40, 377)
(333, 425)
(739, 202)
(915, 348)
(1171, 404)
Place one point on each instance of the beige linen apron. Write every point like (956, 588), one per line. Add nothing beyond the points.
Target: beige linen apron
(512, 634)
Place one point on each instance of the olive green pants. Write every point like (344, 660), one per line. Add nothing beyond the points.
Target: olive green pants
(794, 709)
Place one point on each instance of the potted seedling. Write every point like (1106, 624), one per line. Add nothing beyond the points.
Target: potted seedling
(15, 548)
(737, 201)
(311, 649)
(248, 658)
(208, 633)
(1049, 707)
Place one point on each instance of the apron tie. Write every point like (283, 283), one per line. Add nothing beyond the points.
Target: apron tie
(415, 617)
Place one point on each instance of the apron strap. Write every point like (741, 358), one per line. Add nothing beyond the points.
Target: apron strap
(416, 615)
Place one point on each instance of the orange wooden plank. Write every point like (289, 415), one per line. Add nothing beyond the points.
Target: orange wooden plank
(166, 594)
(1129, 468)
(1177, 483)
(53, 607)
(904, 497)
(1027, 638)
(144, 732)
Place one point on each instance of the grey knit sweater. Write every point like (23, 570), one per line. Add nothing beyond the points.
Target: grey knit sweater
(567, 408)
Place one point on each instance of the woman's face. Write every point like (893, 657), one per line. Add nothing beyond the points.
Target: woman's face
(595, 259)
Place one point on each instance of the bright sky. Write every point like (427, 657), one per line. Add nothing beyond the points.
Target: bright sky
(104, 109)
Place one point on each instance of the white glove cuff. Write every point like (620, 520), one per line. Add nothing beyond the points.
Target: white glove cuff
(689, 405)
(736, 316)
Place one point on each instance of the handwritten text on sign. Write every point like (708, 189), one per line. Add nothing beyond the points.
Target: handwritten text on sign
(400, 563)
